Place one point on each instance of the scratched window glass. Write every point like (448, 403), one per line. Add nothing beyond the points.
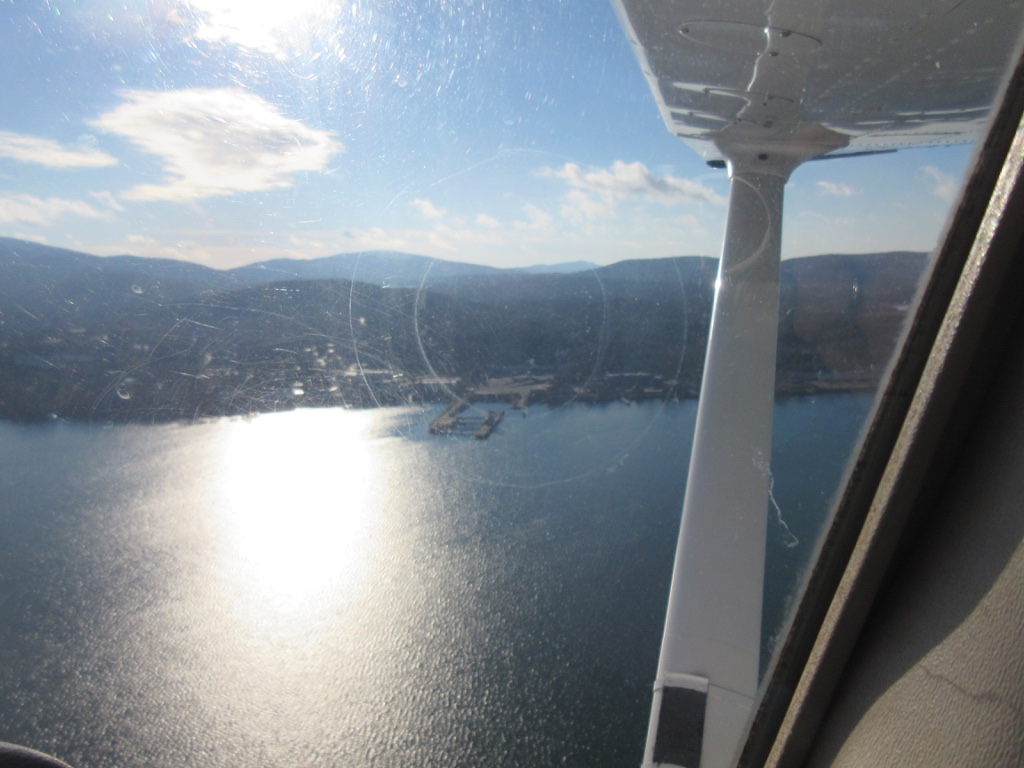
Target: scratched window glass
(350, 353)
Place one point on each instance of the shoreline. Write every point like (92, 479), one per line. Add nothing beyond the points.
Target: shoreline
(141, 415)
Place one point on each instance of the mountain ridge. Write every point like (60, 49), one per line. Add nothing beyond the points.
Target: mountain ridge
(126, 338)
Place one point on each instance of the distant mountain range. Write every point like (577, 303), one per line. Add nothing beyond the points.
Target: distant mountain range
(27, 266)
(132, 338)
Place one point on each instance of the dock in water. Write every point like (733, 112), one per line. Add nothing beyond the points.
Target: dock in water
(449, 420)
(452, 422)
(493, 420)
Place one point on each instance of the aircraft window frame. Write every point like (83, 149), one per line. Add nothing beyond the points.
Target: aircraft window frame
(952, 318)
(935, 385)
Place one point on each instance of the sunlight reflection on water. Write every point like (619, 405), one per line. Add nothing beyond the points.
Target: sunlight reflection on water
(339, 588)
(291, 514)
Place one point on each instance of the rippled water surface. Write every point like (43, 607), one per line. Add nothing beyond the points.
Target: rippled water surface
(340, 588)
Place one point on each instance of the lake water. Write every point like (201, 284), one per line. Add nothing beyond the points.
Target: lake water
(339, 588)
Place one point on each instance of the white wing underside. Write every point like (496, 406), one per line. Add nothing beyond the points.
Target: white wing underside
(853, 77)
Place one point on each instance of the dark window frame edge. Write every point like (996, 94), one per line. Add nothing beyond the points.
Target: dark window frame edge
(934, 388)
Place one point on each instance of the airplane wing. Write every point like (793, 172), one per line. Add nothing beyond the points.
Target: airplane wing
(763, 86)
(880, 75)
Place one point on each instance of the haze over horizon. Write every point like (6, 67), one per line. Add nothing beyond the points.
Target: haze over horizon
(226, 134)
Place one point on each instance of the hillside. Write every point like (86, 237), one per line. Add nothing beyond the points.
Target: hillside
(125, 338)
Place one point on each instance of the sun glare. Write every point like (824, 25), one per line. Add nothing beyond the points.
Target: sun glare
(264, 25)
(294, 516)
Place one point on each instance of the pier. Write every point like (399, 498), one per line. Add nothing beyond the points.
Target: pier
(493, 420)
(515, 390)
(453, 422)
(449, 421)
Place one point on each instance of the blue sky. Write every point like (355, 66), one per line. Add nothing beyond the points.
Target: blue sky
(506, 133)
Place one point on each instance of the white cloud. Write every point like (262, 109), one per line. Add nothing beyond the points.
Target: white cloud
(596, 193)
(107, 200)
(483, 220)
(440, 239)
(428, 210)
(373, 239)
(694, 224)
(625, 180)
(536, 218)
(581, 207)
(945, 185)
(32, 149)
(831, 189)
(306, 243)
(26, 209)
(216, 142)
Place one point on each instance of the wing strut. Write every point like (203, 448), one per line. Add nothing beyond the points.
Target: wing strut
(708, 672)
